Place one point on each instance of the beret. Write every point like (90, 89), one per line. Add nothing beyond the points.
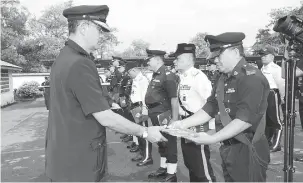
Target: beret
(96, 14)
(184, 48)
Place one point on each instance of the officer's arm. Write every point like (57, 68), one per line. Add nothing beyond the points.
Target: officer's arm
(171, 87)
(250, 106)
(203, 87)
(143, 89)
(277, 75)
(88, 91)
(118, 123)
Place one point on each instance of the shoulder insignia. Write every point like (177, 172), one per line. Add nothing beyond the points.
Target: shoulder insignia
(195, 73)
(249, 70)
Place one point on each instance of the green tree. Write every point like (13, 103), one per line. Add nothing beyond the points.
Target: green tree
(268, 36)
(137, 49)
(13, 30)
(202, 49)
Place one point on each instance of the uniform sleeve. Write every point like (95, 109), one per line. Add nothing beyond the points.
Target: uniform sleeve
(251, 93)
(277, 75)
(143, 89)
(170, 85)
(211, 106)
(204, 87)
(85, 85)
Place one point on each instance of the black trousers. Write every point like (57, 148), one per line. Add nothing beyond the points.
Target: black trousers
(301, 112)
(197, 160)
(236, 164)
(166, 149)
(273, 120)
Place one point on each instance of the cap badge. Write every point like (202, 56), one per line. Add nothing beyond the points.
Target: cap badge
(187, 48)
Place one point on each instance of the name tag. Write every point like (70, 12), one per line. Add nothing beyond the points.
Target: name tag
(185, 87)
(231, 90)
(158, 81)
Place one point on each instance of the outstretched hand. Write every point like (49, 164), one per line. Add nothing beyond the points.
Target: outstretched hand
(154, 134)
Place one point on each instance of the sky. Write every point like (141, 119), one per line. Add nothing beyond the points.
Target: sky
(165, 23)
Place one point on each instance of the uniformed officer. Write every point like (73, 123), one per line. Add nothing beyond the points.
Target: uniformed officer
(124, 91)
(46, 92)
(138, 92)
(240, 100)
(161, 97)
(273, 74)
(194, 89)
(76, 136)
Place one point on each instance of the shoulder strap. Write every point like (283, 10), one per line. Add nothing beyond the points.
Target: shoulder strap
(225, 118)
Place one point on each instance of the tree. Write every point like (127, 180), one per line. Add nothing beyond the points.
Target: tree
(107, 43)
(137, 49)
(267, 36)
(202, 49)
(13, 30)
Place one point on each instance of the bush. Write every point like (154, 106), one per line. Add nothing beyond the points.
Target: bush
(29, 90)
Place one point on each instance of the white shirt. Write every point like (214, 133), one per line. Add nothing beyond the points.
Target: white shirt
(273, 74)
(139, 88)
(194, 89)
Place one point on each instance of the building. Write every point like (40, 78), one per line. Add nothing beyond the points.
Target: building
(7, 90)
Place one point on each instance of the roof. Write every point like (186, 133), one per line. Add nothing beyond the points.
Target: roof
(6, 65)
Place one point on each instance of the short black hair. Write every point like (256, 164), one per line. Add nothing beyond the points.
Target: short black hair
(72, 26)
(240, 48)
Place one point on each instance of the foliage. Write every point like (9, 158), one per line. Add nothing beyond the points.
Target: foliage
(202, 49)
(267, 36)
(13, 30)
(137, 49)
(29, 90)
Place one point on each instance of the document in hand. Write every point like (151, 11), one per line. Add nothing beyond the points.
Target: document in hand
(136, 113)
(185, 133)
(164, 118)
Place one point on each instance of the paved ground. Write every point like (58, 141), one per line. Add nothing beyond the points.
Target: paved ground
(23, 129)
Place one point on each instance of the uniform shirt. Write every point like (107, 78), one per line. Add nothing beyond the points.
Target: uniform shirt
(138, 91)
(75, 140)
(194, 89)
(245, 96)
(162, 87)
(273, 74)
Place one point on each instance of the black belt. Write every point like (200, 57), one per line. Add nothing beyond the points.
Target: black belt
(232, 141)
(275, 90)
(153, 105)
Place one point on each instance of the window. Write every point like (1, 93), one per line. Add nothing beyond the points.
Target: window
(4, 81)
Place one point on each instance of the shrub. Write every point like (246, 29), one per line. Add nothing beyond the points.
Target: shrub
(29, 90)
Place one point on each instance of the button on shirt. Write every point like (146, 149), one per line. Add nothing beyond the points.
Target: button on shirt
(194, 89)
(273, 74)
(138, 92)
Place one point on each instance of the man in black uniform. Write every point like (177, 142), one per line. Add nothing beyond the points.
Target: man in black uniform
(46, 91)
(161, 96)
(75, 147)
(239, 100)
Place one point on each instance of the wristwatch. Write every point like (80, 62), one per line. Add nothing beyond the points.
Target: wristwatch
(145, 133)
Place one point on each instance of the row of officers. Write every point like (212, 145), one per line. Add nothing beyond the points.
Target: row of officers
(169, 89)
(230, 112)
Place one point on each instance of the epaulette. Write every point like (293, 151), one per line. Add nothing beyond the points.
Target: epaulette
(249, 70)
(195, 73)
